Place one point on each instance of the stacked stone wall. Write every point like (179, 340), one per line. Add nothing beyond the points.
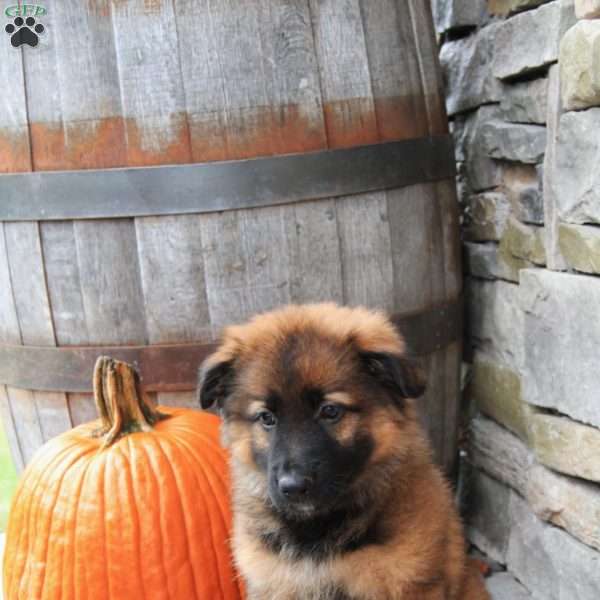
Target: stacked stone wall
(523, 95)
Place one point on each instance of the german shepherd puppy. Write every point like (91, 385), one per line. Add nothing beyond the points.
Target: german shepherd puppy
(335, 496)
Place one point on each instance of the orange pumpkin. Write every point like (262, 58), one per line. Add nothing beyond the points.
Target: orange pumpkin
(132, 507)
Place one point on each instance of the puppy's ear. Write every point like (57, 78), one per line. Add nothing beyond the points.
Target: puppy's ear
(401, 375)
(215, 378)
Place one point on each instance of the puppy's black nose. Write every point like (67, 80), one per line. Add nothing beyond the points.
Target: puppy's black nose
(293, 485)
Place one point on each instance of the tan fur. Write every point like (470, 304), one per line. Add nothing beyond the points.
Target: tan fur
(423, 557)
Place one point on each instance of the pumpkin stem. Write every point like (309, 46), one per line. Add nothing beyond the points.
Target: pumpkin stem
(121, 403)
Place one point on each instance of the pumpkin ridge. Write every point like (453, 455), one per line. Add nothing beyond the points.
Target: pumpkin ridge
(42, 471)
(73, 528)
(184, 455)
(218, 494)
(183, 428)
(142, 449)
(118, 557)
(94, 473)
(223, 491)
(135, 517)
(102, 520)
(145, 518)
(51, 520)
(185, 524)
(212, 445)
(153, 458)
(9, 569)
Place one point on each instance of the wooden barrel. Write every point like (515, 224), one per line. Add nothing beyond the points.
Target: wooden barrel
(172, 167)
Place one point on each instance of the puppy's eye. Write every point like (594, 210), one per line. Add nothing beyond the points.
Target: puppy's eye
(331, 413)
(267, 419)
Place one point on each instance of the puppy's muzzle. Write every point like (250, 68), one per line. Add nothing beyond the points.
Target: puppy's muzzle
(294, 485)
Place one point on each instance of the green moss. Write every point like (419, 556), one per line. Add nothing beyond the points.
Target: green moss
(8, 478)
(497, 391)
(580, 246)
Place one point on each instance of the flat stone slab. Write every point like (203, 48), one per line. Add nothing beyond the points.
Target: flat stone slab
(577, 176)
(503, 586)
(525, 101)
(495, 321)
(496, 390)
(486, 215)
(561, 365)
(500, 453)
(488, 525)
(525, 243)
(530, 40)
(514, 141)
(580, 65)
(466, 65)
(580, 246)
(548, 560)
(567, 502)
(458, 14)
(503, 8)
(565, 445)
(479, 170)
(522, 185)
(484, 261)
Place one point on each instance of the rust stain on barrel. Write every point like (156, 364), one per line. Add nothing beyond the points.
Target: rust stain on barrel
(151, 145)
(351, 122)
(97, 143)
(255, 131)
(103, 7)
(220, 135)
(400, 117)
(15, 155)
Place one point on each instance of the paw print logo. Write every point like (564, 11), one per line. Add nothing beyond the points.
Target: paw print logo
(24, 31)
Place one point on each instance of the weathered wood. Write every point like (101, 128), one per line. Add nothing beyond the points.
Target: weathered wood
(172, 273)
(446, 193)
(12, 435)
(145, 83)
(26, 421)
(235, 72)
(183, 399)
(394, 69)
(15, 153)
(228, 185)
(73, 95)
(28, 283)
(150, 81)
(9, 333)
(173, 367)
(365, 250)
(110, 282)
(427, 52)
(82, 408)
(442, 397)
(245, 269)
(314, 253)
(53, 413)
(9, 324)
(344, 69)
(66, 301)
(64, 285)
